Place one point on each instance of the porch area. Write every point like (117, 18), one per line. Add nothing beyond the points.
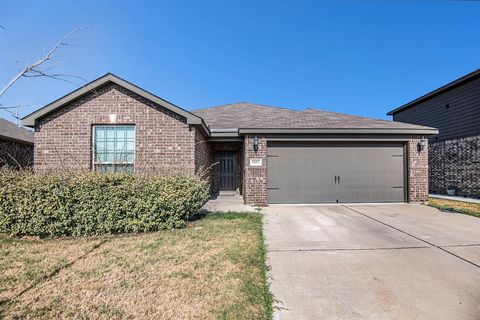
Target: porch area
(227, 171)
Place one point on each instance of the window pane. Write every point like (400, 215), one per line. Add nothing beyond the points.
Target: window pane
(100, 146)
(114, 148)
(122, 133)
(130, 146)
(100, 157)
(121, 157)
(111, 146)
(121, 146)
(110, 157)
(130, 157)
(99, 133)
(110, 133)
(130, 133)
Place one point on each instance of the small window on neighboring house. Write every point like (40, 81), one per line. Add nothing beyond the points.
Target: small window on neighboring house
(113, 148)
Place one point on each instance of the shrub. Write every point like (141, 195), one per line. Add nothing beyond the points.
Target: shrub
(87, 203)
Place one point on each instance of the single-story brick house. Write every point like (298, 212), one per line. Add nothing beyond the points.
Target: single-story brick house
(267, 154)
(454, 153)
(16, 145)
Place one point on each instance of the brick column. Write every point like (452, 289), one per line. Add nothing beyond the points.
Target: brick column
(417, 171)
(255, 178)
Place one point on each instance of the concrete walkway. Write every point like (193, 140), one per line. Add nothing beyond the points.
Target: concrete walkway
(228, 202)
(373, 262)
(454, 198)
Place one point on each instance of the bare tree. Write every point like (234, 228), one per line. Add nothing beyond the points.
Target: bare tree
(37, 68)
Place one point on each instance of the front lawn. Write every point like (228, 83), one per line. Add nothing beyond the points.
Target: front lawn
(472, 209)
(213, 268)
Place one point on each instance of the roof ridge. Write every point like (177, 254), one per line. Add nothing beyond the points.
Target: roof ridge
(348, 114)
(247, 103)
(220, 105)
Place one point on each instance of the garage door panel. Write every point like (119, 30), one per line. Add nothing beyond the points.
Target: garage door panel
(299, 173)
(301, 181)
(320, 163)
(378, 179)
(308, 195)
(370, 194)
(281, 174)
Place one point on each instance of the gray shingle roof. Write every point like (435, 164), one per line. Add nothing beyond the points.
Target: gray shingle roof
(11, 131)
(246, 115)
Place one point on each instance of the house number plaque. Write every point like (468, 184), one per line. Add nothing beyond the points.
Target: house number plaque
(255, 162)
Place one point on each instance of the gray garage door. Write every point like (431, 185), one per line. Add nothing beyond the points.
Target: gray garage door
(329, 173)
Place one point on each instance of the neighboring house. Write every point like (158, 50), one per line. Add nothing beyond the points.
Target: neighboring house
(267, 154)
(16, 145)
(454, 154)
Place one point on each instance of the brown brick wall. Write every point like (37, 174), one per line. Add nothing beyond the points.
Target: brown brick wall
(417, 172)
(15, 155)
(255, 178)
(164, 142)
(204, 158)
(455, 163)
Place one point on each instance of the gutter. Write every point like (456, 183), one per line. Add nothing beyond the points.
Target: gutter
(419, 131)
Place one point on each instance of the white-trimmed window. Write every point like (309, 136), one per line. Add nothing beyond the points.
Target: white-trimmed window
(113, 148)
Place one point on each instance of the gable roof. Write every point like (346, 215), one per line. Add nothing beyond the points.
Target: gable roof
(29, 120)
(462, 80)
(235, 119)
(249, 117)
(10, 131)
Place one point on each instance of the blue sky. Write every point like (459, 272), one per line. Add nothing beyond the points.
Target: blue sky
(362, 57)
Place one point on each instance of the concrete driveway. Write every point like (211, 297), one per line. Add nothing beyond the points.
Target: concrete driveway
(396, 261)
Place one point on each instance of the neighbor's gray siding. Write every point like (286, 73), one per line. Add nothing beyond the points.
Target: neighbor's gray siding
(461, 119)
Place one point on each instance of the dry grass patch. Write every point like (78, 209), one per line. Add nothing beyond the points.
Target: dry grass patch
(214, 268)
(25, 262)
(472, 209)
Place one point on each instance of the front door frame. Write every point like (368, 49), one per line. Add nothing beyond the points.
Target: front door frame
(235, 173)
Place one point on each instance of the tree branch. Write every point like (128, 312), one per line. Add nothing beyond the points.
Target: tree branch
(33, 67)
(57, 76)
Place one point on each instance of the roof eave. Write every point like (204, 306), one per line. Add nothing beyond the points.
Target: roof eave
(409, 131)
(224, 134)
(17, 140)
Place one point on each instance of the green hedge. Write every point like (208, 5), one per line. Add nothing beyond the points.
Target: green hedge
(80, 204)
